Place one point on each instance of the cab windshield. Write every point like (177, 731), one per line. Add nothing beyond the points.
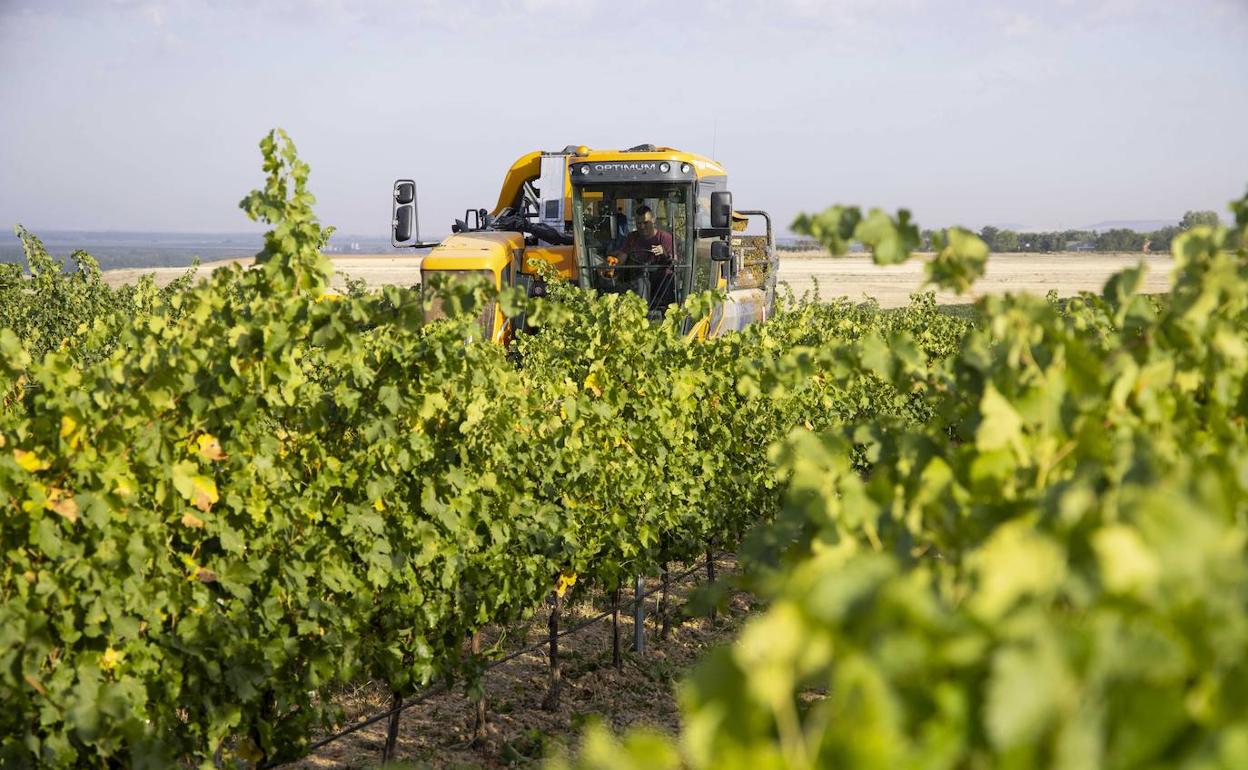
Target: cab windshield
(636, 238)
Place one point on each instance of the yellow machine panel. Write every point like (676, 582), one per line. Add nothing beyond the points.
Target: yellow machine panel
(563, 258)
(487, 249)
(491, 254)
(528, 167)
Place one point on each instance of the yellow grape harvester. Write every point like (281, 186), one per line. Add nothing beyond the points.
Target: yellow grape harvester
(574, 210)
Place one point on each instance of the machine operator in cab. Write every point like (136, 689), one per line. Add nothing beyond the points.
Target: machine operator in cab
(653, 251)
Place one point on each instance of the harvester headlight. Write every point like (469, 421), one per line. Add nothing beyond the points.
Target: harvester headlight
(684, 168)
(584, 169)
(664, 168)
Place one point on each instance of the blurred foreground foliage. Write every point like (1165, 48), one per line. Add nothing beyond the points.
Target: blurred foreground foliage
(1047, 572)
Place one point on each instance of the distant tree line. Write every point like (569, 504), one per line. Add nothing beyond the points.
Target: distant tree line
(798, 244)
(1118, 239)
(1003, 240)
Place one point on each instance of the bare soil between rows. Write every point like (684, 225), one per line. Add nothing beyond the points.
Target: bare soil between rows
(438, 733)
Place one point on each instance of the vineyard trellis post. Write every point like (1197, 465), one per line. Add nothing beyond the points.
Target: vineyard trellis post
(710, 571)
(392, 728)
(551, 703)
(616, 660)
(478, 726)
(639, 615)
(664, 608)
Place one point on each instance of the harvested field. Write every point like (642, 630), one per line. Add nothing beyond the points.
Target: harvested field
(853, 276)
(856, 277)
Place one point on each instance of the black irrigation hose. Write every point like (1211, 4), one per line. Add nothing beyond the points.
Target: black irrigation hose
(440, 688)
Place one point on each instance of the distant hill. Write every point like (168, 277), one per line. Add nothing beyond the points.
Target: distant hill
(127, 249)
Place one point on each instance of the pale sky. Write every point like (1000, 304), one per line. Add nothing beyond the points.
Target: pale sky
(146, 115)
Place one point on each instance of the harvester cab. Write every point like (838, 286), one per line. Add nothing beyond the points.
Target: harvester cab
(652, 221)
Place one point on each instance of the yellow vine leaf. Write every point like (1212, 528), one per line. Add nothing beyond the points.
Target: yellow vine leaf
(62, 502)
(209, 447)
(191, 520)
(110, 659)
(196, 572)
(378, 505)
(567, 579)
(69, 431)
(201, 491)
(204, 492)
(30, 461)
(592, 384)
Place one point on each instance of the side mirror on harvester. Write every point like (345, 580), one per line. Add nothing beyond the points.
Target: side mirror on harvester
(721, 210)
(720, 251)
(405, 229)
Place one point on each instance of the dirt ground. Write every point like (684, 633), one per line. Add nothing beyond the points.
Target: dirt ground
(853, 276)
(437, 734)
(856, 277)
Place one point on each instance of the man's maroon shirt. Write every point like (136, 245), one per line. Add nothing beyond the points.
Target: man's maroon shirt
(636, 249)
(636, 243)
